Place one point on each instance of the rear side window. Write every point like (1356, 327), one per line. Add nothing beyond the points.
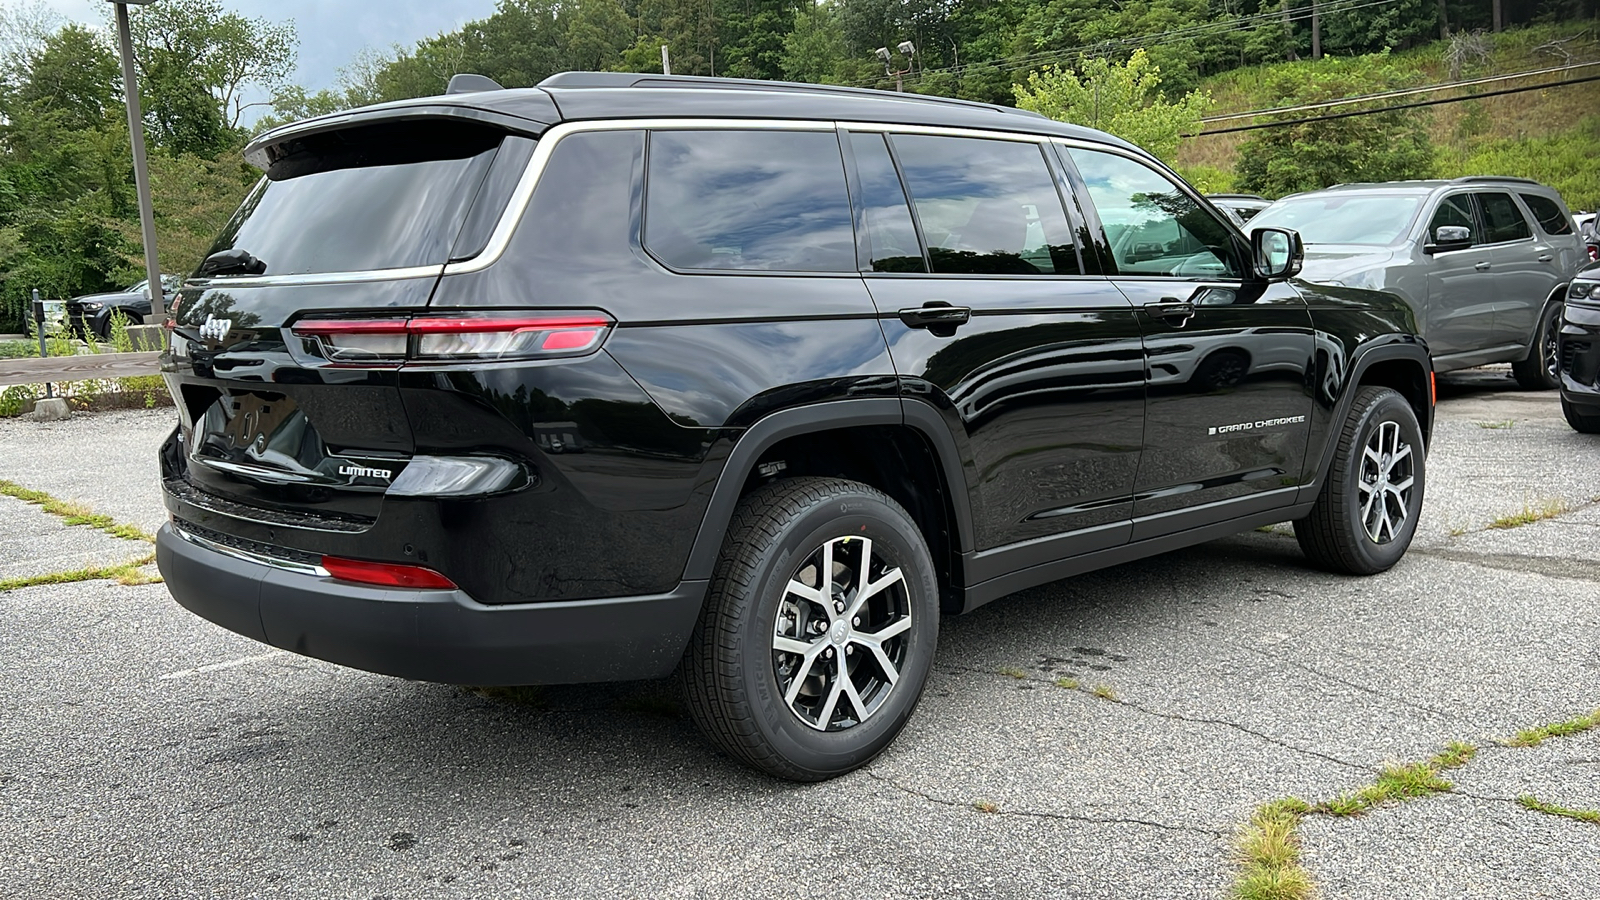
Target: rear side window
(1502, 221)
(987, 207)
(380, 197)
(1551, 219)
(891, 237)
(748, 201)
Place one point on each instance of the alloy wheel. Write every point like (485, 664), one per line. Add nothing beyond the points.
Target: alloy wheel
(841, 634)
(1388, 472)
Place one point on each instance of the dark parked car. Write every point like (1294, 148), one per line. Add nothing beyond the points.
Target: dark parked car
(1589, 230)
(1580, 352)
(92, 313)
(628, 374)
(1483, 261)
(1240, 207)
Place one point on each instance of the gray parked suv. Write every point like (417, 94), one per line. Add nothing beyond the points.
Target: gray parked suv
(1484, 261)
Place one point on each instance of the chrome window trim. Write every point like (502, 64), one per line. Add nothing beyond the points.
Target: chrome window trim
(522, 196)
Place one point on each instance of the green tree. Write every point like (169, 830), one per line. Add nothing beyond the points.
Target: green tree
(1386, 146)
(815, 51)
(1119, 98)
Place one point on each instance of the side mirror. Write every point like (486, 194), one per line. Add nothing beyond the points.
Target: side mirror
(1449, 237)
(1279, 252)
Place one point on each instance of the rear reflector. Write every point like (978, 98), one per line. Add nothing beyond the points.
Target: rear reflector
(385, 574)
(443, 338)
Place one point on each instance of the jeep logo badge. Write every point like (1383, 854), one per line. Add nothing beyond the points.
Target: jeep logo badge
(215, 329)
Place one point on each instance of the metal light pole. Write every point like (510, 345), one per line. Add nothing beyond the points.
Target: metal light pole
(141, 165)
(910, 50)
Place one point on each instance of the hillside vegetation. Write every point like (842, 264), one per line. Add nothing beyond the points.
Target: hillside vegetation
(1549, 135)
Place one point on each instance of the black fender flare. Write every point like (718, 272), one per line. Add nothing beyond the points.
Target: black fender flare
(788, 423)
(1397, 347)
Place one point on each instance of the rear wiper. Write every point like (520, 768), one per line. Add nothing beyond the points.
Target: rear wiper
(232, 262)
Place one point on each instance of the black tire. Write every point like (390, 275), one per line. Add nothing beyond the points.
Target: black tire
(730, 674)
(1539, 371)
(1580, 422)
(1338, 534)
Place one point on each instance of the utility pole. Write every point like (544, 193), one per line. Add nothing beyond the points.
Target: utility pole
(141, 165)
(666, 61)
(910, 51)
(1316, 30)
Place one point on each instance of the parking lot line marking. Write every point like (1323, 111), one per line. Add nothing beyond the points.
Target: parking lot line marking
(218, 667)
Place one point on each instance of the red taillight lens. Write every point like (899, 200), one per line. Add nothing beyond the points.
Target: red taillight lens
(385, 574)
(459, 337)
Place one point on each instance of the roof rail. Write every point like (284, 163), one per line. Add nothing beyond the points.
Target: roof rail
(570, 80)
(1474, 179)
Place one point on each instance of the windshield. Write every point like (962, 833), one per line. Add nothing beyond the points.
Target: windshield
(1342, 218)
(383, 197)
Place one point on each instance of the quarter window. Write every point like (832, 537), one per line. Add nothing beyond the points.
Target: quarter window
(1551, 219)
(1502, 221)
(987, 207)
(891, 237)
(748, 201)
(1153, 227)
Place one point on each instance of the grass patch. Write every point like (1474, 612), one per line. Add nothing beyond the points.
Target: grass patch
(986, 806)
(1533, 737)
(1531, 513)
(1067, 684)
(19, 349)
(74, 513)
(126, 574)
(1591, 816)
(1268, 850)
(1498, 426)
(1014, 673)
(1399, 782)
(1104, 692)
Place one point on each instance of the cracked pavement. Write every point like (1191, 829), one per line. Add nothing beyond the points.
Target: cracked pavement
(145, 753)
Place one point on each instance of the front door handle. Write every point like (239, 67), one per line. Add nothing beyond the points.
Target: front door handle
(1483, 266)
(1545, 257)
(1174, 311)
(937, 316)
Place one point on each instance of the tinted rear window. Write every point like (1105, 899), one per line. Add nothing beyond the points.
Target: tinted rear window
(748, 200)
(381, 197)
(1549, 214)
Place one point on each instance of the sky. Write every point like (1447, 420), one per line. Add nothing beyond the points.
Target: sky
(331, 31)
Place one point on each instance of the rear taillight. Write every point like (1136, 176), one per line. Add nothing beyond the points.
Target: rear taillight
(385, 574)
(445, 338)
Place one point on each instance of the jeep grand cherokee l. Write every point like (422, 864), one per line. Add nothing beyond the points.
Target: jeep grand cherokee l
(623, 375)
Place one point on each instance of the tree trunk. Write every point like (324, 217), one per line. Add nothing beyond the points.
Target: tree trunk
(1499, 15)
(1444, 22)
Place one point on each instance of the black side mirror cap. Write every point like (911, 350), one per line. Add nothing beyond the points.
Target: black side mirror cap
(1278, 253)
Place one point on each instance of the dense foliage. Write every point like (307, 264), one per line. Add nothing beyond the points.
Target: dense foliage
(68, 223)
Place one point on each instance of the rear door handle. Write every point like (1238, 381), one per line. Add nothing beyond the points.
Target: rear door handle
(1176, 312)
(936, 315)
(1483, 266)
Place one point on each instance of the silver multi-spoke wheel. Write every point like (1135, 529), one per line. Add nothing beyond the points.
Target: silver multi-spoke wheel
(841, 634)
(1388, 472)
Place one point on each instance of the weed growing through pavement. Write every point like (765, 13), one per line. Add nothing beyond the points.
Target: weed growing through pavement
(74, 513)
(1268, 846)
(1591, 816)
(1547, 509)
(1069, 684)
(129, 574)
(986, 806)
(1104, 692)
(1498, 426)
(1014, 673)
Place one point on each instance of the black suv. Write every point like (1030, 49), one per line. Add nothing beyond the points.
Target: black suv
(1579, 351)
(625, 374)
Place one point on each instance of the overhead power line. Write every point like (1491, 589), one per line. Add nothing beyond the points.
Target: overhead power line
(1402, 92)
(1419, 104)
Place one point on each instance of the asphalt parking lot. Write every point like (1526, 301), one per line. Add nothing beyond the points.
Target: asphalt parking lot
(146, 753)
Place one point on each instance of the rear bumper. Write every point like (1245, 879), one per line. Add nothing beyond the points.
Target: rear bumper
(442, 636)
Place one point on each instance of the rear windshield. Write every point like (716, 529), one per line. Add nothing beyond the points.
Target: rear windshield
(1340, 218)
(380, 197)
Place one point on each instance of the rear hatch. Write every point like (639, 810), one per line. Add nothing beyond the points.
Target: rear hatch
(282, 423)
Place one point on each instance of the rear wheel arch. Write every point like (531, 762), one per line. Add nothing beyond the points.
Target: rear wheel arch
(875, 442)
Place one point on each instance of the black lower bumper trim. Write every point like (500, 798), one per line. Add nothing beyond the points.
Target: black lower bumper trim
(442, 636)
